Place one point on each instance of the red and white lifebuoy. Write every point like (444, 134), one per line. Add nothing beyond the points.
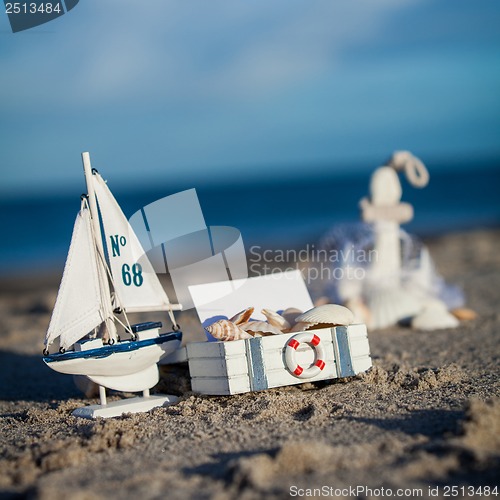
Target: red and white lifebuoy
(291, 351)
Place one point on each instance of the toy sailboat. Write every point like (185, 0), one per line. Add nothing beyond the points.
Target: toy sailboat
(96, 288)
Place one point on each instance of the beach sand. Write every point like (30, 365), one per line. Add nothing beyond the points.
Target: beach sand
(426, 415)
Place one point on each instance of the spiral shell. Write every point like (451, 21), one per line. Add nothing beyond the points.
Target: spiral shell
(325, 316)
(226, 330)
(242, 316)
(275, 319)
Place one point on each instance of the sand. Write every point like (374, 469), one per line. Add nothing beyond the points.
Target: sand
(426, 416)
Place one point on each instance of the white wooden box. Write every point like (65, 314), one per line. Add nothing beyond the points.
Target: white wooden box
(222, 368)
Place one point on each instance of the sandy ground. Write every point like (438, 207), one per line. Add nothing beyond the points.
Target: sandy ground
(427, 415)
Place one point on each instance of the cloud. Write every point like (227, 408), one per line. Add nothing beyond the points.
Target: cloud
(107, 52)
(209, 87)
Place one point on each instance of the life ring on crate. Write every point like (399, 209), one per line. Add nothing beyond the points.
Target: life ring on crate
(291, 351)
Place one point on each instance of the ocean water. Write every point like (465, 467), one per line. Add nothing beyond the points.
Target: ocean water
(281, 214)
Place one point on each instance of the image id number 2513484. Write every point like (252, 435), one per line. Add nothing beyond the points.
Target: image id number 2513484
(32, 8)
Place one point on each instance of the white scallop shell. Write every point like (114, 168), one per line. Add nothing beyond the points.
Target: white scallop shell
(327, 315)
(299, 327)
(260, 327)
(275, 319)
(226, 330)
(434, 317)
(242, 316)
(389, 306)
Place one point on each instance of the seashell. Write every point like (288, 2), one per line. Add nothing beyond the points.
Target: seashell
(226, 330)
(360, 310)
(299, 327)
(244, 326)
(326, 316)
(464, 314)
(388, 306)
(275, 319)
(291, 313)
(434, 317)
(242, 316)
(261, 327)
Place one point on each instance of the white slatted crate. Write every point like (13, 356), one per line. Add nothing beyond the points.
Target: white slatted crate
(222, 368)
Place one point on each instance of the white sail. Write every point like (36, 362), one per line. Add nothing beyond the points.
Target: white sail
(78, 307)
(136, 285)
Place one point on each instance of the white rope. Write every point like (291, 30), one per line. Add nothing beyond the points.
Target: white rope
(126, 326)
(116, 296)
(415, 171)
(169, 310)
(103, 261)
(172, 318)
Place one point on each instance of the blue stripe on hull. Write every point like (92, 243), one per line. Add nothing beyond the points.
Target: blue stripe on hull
(108, 350)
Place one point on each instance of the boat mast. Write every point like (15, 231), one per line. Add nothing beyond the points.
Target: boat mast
(103, 280)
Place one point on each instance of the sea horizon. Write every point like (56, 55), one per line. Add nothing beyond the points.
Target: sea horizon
(278, 213)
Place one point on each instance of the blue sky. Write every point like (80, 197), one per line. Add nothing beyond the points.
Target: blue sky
(224, 89)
